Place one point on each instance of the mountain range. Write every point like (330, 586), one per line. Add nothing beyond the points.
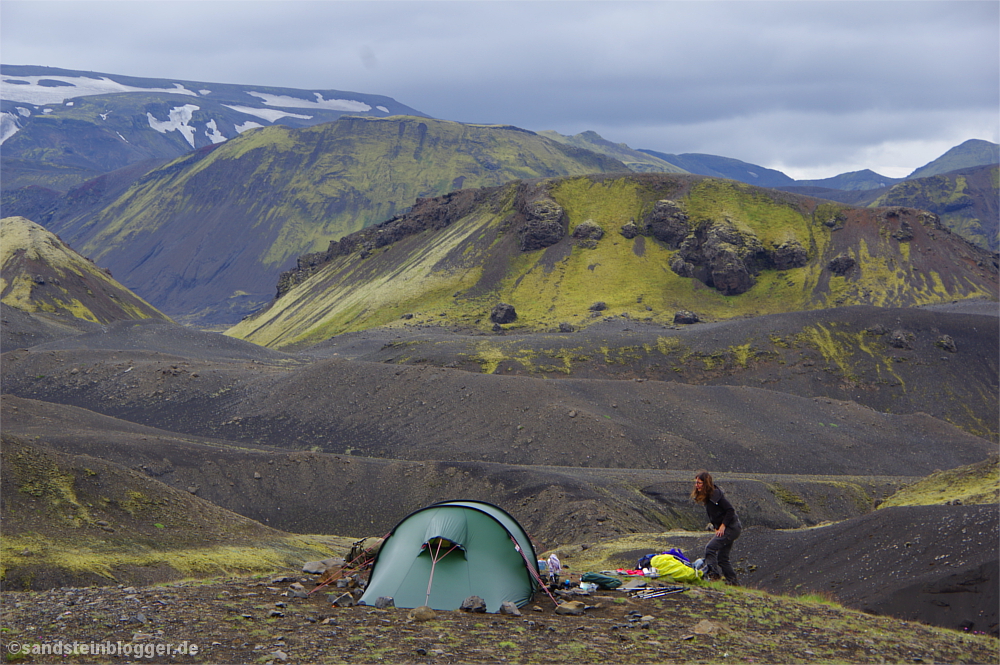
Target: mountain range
(310, 177)
(563, 326)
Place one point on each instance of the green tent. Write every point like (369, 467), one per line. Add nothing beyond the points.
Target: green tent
(444, 553)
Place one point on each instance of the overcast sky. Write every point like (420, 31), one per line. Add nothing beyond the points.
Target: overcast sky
(811, 88)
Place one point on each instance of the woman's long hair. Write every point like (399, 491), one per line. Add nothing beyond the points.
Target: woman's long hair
(707, 487)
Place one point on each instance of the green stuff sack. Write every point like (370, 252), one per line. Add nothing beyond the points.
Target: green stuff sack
(602, 581)
(670, 566)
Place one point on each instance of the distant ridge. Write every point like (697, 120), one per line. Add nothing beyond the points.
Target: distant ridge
(725, 167)
(974, 152)
(60, 127)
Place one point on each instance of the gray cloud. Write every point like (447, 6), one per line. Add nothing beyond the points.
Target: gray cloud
(810, 87)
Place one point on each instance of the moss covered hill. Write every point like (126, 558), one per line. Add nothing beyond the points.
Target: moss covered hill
(966, 201)
(211, 231)
(40, 274)
(75, 520)
(565, 252)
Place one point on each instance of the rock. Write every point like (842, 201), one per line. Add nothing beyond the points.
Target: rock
(473, 604)
(384, 602)
(280, 655)
(509, 608)
(841, 265)
(667, 223)
(905, 232)
(566, 327)
(297, 593)
(686, 317)
(789, 254)
(275, 613)
(721, 256)
(344, 600)
(598, 306)
(503, 313)
(629, 230)
(947, 343)
(706, 627)
(320, 567)
(256, 475)
(543, 225)
(902, 339)
(422, 613)
(281, 580)
(570, 608)
(587, 233)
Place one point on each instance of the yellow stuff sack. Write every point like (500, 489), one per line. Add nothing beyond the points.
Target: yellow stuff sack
(670, 566)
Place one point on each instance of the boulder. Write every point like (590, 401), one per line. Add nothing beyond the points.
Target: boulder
(473, 604)
(422, 613)
(509, 608)
(629, 230)
(598, 306)
(685, 317)
(667, 222)
(571, 608)
(587, 233)
(841, 265)
(503, 313)
(566, 327)
(384, 602)
(947, 343)
(902, 339)
(543, 225)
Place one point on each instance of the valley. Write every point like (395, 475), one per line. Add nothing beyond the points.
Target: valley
(223, 359)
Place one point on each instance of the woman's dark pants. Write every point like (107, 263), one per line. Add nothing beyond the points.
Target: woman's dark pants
(717, 553)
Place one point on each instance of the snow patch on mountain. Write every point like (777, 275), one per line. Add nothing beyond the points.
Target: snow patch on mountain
(213, 133)
(249, 124)
(28, 89)
(23, 111)
(267, 114)
(178, 121)
(382, 109)
(320, 103)
(8, 125)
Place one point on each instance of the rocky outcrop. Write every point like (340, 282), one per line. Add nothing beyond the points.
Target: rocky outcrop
(789, 254)
(722, 256)
(543, 226)
(667, 222)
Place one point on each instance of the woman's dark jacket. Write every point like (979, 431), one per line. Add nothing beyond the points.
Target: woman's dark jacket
(720, 511)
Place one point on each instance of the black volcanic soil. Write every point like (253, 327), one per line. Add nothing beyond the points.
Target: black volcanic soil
(347, 441)
(247, 621)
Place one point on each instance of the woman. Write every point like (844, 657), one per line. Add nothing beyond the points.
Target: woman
(727, 525)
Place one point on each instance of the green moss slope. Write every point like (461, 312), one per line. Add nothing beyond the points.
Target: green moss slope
(972, 484)
(454, 276)
(283, 192)
(39, 273)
